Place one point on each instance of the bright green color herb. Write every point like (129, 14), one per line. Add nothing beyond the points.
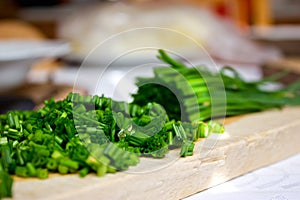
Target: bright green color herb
(6, 182)
(205, 95)
(85, 134)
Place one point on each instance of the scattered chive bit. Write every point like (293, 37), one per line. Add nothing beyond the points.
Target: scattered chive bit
(205, 95)
(6, 183)
(88, 134)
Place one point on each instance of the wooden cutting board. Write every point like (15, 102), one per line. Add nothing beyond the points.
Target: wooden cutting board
(250, 142)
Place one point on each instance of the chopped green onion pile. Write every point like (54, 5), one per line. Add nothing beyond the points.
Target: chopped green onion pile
(84, 134)
(205, 95)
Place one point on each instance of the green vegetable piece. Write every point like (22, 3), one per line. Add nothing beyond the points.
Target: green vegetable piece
(52, 164)
(31, 169)
(11, 121)
(170, 138)
(69, 163)
(3, 141)
(29, 127)
(101, 170)
(103, 159)
(84, 171)
(38, 161)
(22, 171)
(216, 127)
(56, 154)
(111, 169)
(187, 148)
(42, 173)
(203, 130)
(63, 169)
(6, 183)
(58, 139)
(6, 156)
(20, 158)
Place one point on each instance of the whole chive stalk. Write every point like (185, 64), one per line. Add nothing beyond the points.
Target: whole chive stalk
(231, 94)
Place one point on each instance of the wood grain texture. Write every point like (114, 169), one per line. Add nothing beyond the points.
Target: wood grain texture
(250, 142)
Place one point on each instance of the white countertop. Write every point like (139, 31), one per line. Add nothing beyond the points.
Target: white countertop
(280, 181)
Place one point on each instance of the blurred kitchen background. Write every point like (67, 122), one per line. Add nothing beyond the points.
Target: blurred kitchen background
(44, 43)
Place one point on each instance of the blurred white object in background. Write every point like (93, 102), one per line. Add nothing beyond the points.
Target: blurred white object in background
(17, 56)
(112, 41)
(93, 25)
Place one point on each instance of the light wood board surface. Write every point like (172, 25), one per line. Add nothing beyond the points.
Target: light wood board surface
(250, 142)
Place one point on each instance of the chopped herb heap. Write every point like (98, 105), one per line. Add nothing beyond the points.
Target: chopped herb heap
(84, 134)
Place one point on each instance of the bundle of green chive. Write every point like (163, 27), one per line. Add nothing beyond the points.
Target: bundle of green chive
(196, 93)
(83, 134)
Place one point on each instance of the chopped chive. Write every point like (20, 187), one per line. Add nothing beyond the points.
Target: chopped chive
(84, 171)
(63, 169)
(69, 163)
(31, 169)
(42, 173)
(52, 164)
(21, 171)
